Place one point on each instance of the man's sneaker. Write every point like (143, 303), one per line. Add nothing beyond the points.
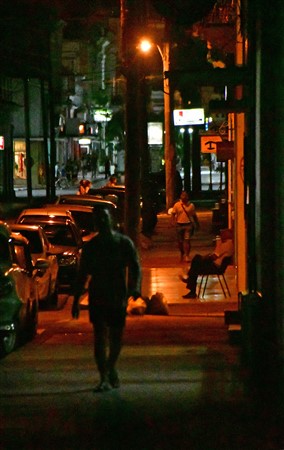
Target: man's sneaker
(190, 295)
(113, 379)
(103, 386)
(184, 280)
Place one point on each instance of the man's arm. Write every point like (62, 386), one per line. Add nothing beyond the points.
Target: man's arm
(224, 249)
(134, 272)
(80, 283)
(196, 221)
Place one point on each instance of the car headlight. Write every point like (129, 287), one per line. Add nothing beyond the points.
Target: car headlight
(67, 260)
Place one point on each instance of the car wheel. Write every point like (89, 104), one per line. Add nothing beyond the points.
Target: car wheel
(8, 341)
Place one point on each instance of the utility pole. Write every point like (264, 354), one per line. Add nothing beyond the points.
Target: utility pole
(28, 160)
(169, 152)
(130, 20)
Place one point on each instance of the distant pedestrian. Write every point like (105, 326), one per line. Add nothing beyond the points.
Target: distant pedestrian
(107, 168)
(94, 164)
(84, 187)
(112, 181)
(185, 219)
(111, 261)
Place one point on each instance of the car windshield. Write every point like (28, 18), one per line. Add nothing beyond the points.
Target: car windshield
(57, 230)
(43, 219)
(84, 220)
(34, 240)
(59, 234)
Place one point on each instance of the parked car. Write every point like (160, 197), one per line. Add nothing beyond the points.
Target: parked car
(96, 203)
(115, 194)
(40, 247)
(82, 215)
(19, 287)
(64, 236)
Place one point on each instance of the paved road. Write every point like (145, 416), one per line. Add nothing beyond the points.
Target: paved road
(173, 370)
(182, 388)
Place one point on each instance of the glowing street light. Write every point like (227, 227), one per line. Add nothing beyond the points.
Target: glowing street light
(145, 45)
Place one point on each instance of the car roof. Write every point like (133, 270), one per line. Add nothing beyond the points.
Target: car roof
(72, 207)
(81, 199)
(107, 189)
(43, 211)
(22, 226)
(120, 187)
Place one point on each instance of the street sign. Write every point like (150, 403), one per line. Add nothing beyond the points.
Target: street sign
(225, 151)
(208, 143)
(2, 143)
(184, 117)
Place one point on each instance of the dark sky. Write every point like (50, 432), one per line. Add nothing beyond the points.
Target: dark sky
(68, 9)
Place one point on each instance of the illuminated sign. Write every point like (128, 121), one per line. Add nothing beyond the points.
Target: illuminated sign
(102, 115)
(2, 143)
(85, 141)
(183, 117)
(155, 133)
(209, 143)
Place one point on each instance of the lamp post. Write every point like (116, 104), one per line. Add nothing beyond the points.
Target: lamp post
(169, 147)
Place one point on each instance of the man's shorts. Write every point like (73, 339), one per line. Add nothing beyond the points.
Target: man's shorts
(185, 231)
(111, 317)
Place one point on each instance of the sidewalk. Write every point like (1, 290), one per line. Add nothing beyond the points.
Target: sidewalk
(162, 268)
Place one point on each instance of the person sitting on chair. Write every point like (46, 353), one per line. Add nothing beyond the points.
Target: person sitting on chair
(210, 262)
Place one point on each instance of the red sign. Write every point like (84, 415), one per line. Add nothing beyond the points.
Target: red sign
(225, 151)
(2, 143)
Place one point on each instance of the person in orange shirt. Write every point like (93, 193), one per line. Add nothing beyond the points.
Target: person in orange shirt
(185, 218)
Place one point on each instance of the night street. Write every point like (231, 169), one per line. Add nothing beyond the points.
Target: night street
(141, 133)
(175, 371)
(182, 384)
(181, 387)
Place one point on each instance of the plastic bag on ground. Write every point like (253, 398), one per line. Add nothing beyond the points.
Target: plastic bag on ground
(157, 305)
(136, 307)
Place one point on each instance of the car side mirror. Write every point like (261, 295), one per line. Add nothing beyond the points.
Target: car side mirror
(42, 264)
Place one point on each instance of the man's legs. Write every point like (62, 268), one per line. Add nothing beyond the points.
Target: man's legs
(115, 344)
(183, 238)
(100, 348)
(108, 332)
(187, 248)
(193, 273)
(180, 234)
(199, 264)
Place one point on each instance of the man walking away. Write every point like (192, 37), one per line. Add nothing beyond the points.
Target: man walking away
(111, 261)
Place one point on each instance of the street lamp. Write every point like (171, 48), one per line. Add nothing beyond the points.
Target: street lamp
(170, 169)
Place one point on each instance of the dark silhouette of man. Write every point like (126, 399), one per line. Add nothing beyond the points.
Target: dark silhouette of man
(111, 262)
